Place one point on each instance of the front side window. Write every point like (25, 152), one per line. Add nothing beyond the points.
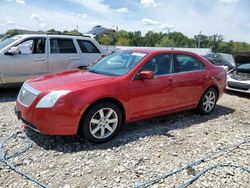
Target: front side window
(62, 46)
(118, 63)
(160, 65)
(87, 46)
(32, 46)
(186, 63)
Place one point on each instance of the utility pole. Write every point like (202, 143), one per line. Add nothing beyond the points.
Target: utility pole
(77, 28)
(199, 42)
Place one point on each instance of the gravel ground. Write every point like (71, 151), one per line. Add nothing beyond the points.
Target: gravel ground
(141, 151)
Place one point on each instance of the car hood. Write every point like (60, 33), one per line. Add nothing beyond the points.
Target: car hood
(243, 68)
(68, 80)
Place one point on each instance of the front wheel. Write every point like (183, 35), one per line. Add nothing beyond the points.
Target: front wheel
(208, 101)
(102, 122)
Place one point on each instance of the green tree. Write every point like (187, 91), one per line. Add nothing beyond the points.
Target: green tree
(166, 42)
(12, 32)
(180, 40)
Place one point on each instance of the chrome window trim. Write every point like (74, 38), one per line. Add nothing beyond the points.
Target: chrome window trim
(31, 89)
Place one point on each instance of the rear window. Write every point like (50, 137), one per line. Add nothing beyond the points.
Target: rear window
(62, 46)
(87, 46)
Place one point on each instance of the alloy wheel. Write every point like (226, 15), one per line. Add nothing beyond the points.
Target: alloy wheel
(103, 123)
(209, 101)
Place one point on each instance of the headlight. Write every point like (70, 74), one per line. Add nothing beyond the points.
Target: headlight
(50, 99)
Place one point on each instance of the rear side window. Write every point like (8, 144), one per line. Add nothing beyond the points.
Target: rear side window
(186, 63)
(62, 46)
(87, 46)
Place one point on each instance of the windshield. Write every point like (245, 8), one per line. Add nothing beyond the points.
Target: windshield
(118, 63)
(7, 41)
(229, 58)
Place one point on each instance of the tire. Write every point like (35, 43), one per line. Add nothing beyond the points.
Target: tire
(102, 122)
(208, 101)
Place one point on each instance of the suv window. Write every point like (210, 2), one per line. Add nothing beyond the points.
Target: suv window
(160, 64)
(32, 46)
(87, 46)
(62, 46)
(186, 63)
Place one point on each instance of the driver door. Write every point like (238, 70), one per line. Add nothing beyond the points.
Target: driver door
(152, 96)
(31, 61)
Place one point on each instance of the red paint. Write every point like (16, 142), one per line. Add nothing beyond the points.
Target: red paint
(140, 98)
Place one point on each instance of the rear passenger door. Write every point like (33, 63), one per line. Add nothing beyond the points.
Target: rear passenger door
(89, 52)
(63, 54)
(189, 79)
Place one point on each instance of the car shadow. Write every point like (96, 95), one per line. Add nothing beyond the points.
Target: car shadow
(9, 94)
(238, 94)
(130, 133)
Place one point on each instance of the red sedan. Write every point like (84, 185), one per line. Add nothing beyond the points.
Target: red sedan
(123, 87)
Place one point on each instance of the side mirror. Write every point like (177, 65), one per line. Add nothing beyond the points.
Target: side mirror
(13, 51)
(146, 75)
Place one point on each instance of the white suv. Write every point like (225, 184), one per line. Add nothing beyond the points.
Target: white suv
(25, 56)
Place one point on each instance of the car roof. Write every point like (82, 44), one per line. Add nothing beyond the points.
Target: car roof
(150, 50)
(56, 36)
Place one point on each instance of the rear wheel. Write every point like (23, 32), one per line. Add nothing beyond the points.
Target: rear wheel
(102, 122)
(208, 101)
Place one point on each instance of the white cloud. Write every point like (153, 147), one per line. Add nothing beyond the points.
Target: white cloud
(149, 3)
(228, 1)
(122, 10)
(20, 1)
(166, 27)
(149, 22)
(93, 24)
(94, 5)
(36, 17)
(10, 22)
(81, 15)
(42, 25)
(150, 29)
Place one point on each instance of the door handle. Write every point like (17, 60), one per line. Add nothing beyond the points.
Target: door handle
(171, 79)
(39, 59)
(74, 58)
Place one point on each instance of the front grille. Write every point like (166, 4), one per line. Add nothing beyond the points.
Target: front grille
(241, 76)
(236, 85)
(27, 95)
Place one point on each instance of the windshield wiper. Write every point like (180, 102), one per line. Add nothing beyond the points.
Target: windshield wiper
(94, 71)
(103, 73)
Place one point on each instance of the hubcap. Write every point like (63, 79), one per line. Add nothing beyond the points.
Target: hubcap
(103, 123)
(209, 101)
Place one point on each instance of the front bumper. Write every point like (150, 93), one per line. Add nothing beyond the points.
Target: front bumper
(61, 120)
(27, 124)
(237, 85)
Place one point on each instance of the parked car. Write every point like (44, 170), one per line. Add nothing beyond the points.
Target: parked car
(238, 79)
(221, 59)
(124, 86)
(26, 56)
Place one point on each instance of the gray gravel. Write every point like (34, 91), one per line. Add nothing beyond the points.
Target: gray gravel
(141, 151)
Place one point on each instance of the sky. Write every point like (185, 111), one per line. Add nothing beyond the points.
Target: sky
(230, 18)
